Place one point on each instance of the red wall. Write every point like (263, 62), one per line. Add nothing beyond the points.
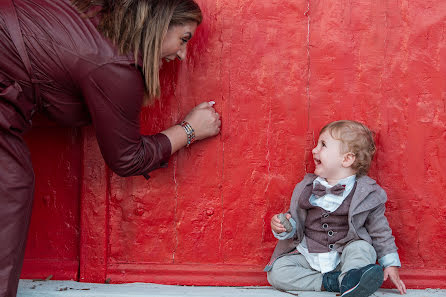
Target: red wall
(278, 71)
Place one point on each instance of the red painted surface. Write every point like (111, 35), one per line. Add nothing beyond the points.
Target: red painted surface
(53, 239)
(278, 71)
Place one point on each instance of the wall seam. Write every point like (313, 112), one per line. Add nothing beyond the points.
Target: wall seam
(310, 134)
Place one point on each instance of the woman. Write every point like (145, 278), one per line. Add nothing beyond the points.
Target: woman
(81, 64)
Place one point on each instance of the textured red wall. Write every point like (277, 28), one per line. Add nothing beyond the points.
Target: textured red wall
(278, 71)
(53, 240)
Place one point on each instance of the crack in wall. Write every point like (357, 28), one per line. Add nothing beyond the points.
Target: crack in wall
(222, 140)
(268, 136)
(175, 163)
(176, 207)
(221, 198)
(309, 135)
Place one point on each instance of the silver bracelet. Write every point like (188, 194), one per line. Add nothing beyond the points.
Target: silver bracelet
(189, 132)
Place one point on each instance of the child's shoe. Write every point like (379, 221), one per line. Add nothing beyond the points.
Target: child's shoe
(330, 281)
(362, 282)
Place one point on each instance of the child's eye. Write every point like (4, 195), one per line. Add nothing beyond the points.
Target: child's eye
(184, 40)
(323, 144)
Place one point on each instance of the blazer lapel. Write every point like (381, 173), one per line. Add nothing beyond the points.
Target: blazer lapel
(365, 186)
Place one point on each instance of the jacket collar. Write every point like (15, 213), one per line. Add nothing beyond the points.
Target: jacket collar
(309, 178)
(365, 185)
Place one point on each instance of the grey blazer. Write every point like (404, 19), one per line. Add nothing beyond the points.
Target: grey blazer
(366, 219)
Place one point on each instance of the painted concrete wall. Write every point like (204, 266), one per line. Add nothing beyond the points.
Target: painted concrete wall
(278, 71)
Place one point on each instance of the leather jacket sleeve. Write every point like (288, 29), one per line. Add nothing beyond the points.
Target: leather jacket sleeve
(113, 93)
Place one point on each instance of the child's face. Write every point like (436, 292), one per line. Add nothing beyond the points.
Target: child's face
(328, 157)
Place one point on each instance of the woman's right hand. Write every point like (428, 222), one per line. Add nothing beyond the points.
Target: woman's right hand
(276, 226)
(204, 120)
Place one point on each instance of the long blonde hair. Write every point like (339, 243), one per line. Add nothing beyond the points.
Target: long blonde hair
(139, 26)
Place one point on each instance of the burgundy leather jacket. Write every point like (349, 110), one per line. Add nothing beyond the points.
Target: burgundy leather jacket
(82, 80)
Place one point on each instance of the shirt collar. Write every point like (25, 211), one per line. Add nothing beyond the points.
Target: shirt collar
(347, 181)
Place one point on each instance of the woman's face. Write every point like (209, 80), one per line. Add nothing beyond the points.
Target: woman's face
(175, 43)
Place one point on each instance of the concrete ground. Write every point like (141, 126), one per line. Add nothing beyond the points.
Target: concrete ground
(30, 288)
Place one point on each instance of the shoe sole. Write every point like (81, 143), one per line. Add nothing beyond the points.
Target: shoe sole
(371, 280)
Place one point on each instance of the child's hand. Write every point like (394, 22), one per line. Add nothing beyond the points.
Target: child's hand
(276, 226)
(393, 273)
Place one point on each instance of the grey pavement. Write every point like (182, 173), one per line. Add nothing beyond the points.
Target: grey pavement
(30, 288)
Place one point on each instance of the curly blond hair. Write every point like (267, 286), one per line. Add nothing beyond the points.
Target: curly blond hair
(357, 139)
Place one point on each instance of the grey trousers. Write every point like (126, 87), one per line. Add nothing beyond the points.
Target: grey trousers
(293, 273)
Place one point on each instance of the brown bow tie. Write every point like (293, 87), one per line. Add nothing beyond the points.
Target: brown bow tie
(320, 190)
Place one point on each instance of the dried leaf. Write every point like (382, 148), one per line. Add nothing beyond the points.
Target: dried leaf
(49, 277)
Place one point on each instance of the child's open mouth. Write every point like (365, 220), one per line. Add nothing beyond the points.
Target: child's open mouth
(317, 161)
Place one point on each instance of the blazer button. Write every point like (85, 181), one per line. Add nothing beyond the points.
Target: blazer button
(325, 215)
(331, 246)
(325, 225)
(330, 233)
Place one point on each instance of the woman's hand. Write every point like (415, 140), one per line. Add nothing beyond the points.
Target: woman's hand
(276, 226)
(394, 275)
(204, 120)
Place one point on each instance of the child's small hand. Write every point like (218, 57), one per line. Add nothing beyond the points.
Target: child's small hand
(393, 273)
(276, 226)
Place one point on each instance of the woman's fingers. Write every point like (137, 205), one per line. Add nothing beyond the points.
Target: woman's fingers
(204, 120)
(205, 104)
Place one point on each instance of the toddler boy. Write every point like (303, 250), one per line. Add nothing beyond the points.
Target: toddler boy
(339, 227)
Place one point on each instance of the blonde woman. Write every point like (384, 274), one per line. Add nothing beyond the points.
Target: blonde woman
(81, 63)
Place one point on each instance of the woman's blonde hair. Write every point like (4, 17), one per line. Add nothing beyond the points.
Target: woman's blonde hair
(357, 139)
(139, 26)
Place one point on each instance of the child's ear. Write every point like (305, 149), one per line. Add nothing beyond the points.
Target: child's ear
(349, 159)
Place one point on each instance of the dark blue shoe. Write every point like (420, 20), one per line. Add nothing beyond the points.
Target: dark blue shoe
(362, 282)
(330, 281)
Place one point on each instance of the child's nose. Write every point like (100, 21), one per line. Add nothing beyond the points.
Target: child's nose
(314, 150)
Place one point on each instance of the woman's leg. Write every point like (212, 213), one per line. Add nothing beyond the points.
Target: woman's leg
(293, 273)
(16, 196)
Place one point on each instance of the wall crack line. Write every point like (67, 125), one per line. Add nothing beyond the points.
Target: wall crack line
(222, 138)
(176, 208)
(175, 167)
(309, 135)
(268, 136)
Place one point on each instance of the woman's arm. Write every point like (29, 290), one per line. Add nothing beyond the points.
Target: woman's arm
(113, 94)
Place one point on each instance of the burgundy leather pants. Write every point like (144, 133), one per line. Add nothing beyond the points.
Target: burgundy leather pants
(16, 185)
(16, 196)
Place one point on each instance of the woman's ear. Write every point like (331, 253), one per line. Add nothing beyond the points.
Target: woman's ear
(348, 160)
